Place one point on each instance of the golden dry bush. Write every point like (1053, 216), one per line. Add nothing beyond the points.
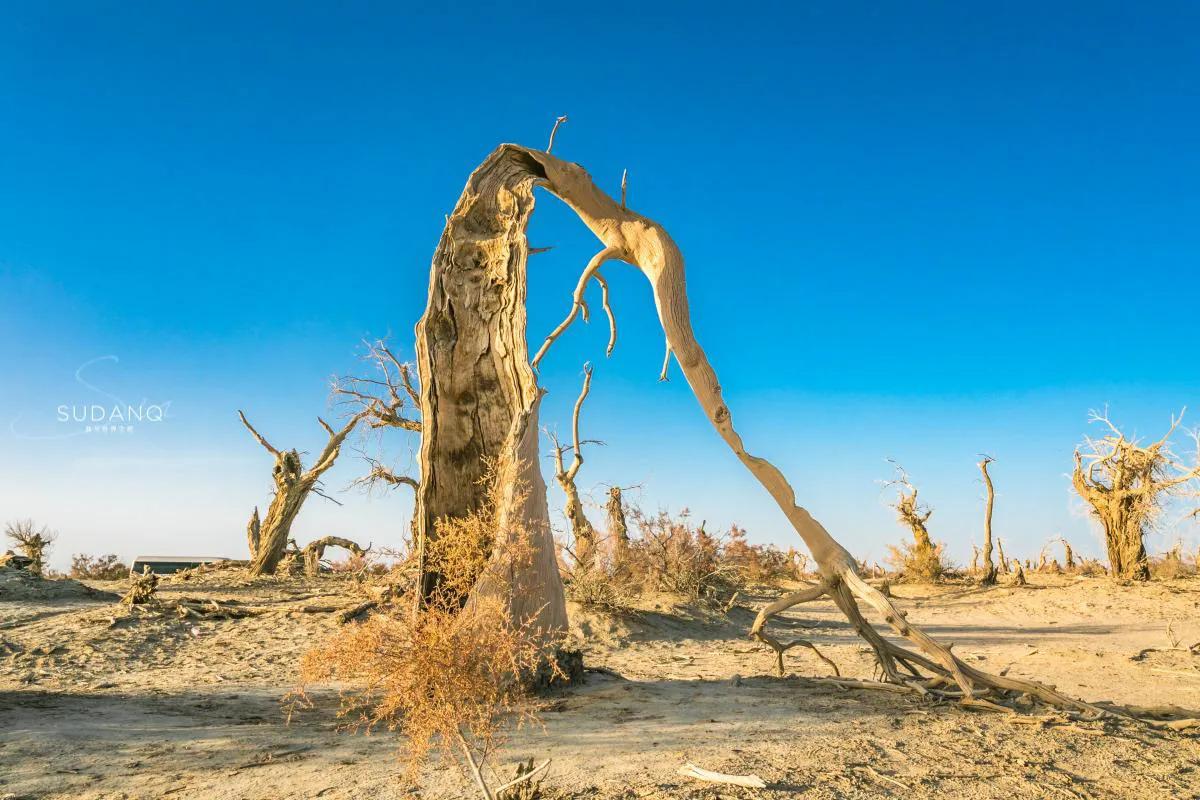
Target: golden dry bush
(917, 563)
(460, 550)
(442, 678)
(451, 674)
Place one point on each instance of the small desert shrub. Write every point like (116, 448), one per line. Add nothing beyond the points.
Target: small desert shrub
(674, 557)
(1172, 564)
(603, 587)
(359, 565)
(917, 564)
(31, 541)
(756, 563)
(98, 568)
(444, 678)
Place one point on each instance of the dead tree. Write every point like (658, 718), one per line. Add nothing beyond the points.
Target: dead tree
(293, 483)
(618, 527)
(389, 401)
(314, 551)
(1000, 549)
(922, 560)
(479, 396)
(33, 542)
(1126, 485)
(989, 569)
(1018, 573)
(471, 357)
(582, 531)
(1068, 554)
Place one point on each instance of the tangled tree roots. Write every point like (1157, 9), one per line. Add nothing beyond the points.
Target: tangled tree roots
(936, 672)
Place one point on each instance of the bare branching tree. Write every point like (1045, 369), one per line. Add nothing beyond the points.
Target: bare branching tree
(268, 539)
(1126, 484)
(389, 399)
(989, 568)
(582, 532)
(31, 541)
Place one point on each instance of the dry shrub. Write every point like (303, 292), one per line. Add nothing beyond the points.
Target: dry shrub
(674, 557)
(354, 564)
(757, 563)
(1172, 564)
(918, 564)
(98, 568)
(444, 678)
(450, 675)
(671, 555)
(605, 586)
(31, 541)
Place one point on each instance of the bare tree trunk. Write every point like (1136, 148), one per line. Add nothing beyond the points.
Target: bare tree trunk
(618, 528)
(474, 372)
(1003, 560)
(532, 587)
(1069, 554)
(989, 569)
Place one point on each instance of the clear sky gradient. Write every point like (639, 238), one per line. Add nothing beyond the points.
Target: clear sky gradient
(917, 231)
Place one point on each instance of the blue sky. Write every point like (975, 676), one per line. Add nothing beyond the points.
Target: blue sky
(913, 231)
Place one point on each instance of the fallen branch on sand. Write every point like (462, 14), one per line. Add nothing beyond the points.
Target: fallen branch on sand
(751, 781)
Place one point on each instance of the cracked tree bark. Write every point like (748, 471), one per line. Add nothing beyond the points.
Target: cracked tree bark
(479, 396)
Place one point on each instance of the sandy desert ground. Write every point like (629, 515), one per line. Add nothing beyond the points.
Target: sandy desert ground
(97, 703)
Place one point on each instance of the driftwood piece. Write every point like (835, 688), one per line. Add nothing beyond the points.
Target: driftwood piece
(708, 776)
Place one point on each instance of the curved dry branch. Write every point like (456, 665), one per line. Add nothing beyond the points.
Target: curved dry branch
(578, 303)
(577, 461)
(646, 245)
(612, 319)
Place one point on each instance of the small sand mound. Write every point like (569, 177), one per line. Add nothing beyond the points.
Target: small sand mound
(17, 584)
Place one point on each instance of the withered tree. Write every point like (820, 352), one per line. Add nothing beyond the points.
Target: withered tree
(582, 532)
(922, 559)
(268, 538)
(479, 397)
(618, 526)
(32, 542)
(1125, 484)
(989, 568)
